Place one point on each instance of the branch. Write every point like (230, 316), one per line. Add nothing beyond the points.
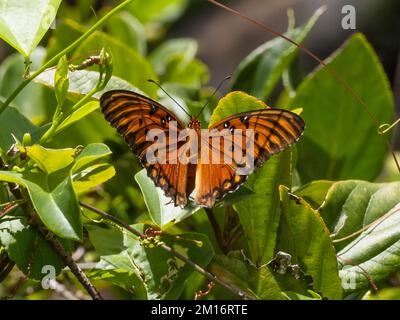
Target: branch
(56, 245)
(239, 293)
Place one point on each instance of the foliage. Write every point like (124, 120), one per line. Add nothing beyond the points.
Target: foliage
(318, 202)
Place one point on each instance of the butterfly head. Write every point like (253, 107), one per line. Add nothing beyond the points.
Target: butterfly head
(194, 124)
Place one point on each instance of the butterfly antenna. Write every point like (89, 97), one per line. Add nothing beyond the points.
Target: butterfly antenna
(177, 103)
(212, 96)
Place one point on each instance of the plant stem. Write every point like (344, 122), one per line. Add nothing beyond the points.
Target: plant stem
(217, 229)
(55, 59)
(208, 275)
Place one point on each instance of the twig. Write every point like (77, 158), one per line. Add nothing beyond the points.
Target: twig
(56, 245)
(241, 294)
(204, 293)
(217, 230)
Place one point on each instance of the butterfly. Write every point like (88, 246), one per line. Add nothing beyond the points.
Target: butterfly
(134, 115)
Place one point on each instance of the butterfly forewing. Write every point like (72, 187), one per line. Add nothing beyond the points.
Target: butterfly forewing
(134, 115)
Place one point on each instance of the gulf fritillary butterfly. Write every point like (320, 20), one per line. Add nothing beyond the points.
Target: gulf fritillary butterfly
(133, 115)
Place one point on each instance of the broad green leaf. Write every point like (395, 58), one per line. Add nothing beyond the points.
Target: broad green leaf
(128, 29)
(89, 171)
(307, 239)
(79, 114)
(23, 23)
(260, 213)
(296, 296)
(82, 81)
(161, 210)
(235, 272)
(260, 71)
(51, 160)
(174, 61)
(53, 198)
(350, 207)
(128, 280)
(234, 103)
(27, 247)
(163, 274)
(12, 122)
(92, 177)
(161, 11)
(332, 115)
(90, 154)
(193, 73)
(315, 192)
(169, 50)
(29, 101)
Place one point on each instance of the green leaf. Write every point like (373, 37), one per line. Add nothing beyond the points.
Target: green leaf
(92, 177)
(296, 296)
(235, 272)
(88, 172)
(157, 11)
(23, 23)
(127, 28)
(315, 192)
(261, 70)
(53, 198)
(130, 281)
(82, 81)
(260, 213)
(162, 212)
(29, 101)
(61, 82)
(90, 154)
(307, 239)
(332, 115)
(234, 103)
(174, 61)
(12, 122)
(51, 160)
(27, 247)
(163, 274)
(351, 206)
(169, 50)
(79, 114)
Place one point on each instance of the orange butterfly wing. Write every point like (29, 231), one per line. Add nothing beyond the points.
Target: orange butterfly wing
(274, 131)
(133, 115)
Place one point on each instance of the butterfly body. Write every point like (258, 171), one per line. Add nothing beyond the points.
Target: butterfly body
(203, 163)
